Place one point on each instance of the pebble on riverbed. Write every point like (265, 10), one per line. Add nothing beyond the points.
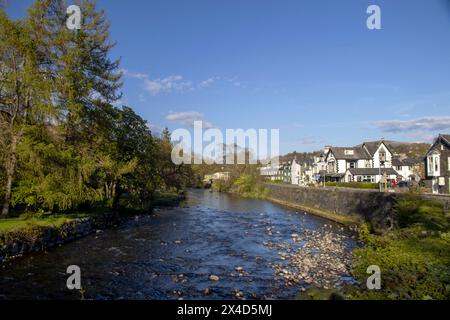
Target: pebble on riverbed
(213, 277)
(321, 261)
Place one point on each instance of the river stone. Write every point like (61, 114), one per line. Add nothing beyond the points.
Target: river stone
(213, 277)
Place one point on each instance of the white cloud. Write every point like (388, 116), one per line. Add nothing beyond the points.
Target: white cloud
(425, 123)
(206, 83)
(168, 84)
(140, 76)
(188, 118)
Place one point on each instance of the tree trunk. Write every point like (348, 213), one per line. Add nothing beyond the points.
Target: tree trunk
(115, 200)
(10, 168)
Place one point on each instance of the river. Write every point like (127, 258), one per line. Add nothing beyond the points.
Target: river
(252, 246)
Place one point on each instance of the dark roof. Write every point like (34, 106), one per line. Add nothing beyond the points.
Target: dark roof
(358, 153)
(372, 146)
(372, 171)
(406, 162)
(446, 137)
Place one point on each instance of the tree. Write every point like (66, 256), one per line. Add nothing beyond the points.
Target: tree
(24, 93)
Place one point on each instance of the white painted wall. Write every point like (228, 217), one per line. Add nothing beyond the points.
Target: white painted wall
(376, 157)
(295, 172)
(342, 166)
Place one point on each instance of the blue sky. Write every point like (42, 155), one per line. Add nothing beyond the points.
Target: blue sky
(310, 68)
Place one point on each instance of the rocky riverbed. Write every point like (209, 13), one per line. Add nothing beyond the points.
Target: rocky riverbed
(317, 258)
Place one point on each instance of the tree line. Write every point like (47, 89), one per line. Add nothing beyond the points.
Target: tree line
(63, 142)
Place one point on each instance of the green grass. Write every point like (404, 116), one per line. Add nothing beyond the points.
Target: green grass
(358, 185)
(7, 225)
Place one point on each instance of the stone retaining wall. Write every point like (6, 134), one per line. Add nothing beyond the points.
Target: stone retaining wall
(345, 205)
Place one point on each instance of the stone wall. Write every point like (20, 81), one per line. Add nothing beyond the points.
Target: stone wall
(345, 205)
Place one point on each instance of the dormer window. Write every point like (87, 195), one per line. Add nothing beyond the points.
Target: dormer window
(349, 152)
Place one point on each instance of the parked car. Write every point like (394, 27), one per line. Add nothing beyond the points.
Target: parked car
(403, 184)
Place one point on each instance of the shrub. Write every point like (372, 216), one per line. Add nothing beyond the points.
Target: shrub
(411, 210)
(412, 266)
(249, 186)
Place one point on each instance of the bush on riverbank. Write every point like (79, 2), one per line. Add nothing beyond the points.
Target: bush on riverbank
(414, 259)
(249, 186)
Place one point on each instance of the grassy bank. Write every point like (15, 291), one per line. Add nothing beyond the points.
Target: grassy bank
(26, 222)
(358, 185)
(414, 259)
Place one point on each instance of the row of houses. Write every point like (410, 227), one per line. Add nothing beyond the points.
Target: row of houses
(375, 162)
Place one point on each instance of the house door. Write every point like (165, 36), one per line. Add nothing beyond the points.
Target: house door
(435, 185)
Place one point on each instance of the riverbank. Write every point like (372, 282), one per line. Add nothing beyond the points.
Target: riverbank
(406, 235)
(345, 220)
(19, 237)
(39, 232)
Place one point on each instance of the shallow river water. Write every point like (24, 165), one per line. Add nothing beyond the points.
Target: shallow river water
(172, 253)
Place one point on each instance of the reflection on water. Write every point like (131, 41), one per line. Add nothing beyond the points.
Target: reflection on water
(171, 254)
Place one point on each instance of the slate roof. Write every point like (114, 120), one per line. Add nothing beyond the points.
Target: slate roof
(372, 146)
(406, 162)
(446, 137)
(372, 171)
(358, 153)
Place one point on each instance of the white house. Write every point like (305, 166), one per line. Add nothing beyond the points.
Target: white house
(296, 172)
(339, 159)
(405, 168)
(270, 171)
(365, 157)
(437, 164)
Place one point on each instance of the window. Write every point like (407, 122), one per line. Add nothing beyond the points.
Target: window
(367, 178)
(434, 164)
(382, 156)
(448, 163)
(348, 152)
(430, 164)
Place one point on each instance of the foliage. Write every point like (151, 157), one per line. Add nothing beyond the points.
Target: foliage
(414, 210)
(414, 260)
(248, 185)
(64, 145)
